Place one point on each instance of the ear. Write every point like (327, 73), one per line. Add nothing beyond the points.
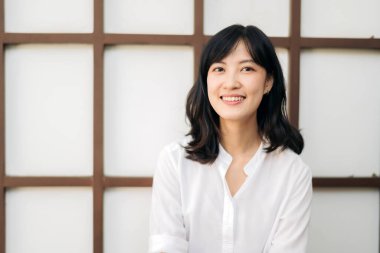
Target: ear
(268, 84)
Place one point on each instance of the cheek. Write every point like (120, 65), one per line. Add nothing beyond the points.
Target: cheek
(212, 86)
(255, 85)
(212, 91)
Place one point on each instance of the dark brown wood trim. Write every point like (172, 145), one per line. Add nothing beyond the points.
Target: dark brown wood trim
(198, 17)
(294, 62)
(98, 152)
(12, 181)
(294, 85)
(335, 182)
(198, 38)
(2, 219)
(18, 38)
(280, 41)
(98, 17)
(2, 136)
(128, 181)
(151, 39)
(295, 19)
(318, 182)
(98, 148)
(340, 43)
(24, 38)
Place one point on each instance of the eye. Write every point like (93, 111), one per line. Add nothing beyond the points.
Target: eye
(247, 69)
(218, 69)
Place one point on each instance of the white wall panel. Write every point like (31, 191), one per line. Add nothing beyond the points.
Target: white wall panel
(149, 16)
(145, 93)
(271, 16)
(45, 220)
(340, 18)
(49, 16)
(344, 221)
(49, 115)
(283, 57)
(340, 111)
(126, 220)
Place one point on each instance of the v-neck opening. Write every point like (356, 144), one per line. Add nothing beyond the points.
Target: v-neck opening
(248, 170)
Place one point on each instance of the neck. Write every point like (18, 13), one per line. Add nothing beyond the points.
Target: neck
(240, 138)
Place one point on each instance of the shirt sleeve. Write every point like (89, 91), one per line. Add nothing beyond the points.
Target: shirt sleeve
(291, 235)
(167, 229)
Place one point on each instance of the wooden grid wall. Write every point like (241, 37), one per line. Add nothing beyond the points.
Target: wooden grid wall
(99, 40)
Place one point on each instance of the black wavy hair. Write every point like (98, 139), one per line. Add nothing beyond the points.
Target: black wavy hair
(272, 120)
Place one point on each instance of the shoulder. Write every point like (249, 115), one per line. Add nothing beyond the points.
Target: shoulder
(174, 149)
(292, 174)
(173, 153)
(289, 162)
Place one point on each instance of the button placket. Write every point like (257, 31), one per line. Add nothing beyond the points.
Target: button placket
(228, 224)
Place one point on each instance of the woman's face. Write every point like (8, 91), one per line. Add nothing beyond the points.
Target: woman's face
(236, 85)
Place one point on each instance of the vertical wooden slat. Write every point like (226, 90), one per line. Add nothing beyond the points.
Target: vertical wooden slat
(98, 128)
(2, 150)
(198, 17)
(98, 148)
(198, 34)
(295, 37)
(2, 131)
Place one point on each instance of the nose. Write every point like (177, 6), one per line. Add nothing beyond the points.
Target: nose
(231, 81)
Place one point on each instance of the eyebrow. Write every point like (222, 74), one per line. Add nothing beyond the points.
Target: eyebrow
(240, 62)
(249, 60)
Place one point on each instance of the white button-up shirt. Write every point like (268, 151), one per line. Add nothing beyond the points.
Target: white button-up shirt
(193, 210)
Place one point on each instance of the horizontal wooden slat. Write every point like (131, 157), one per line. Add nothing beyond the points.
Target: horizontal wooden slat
(27, 38)
(148, 39)
(128, 181)
(21, 38)
(16, 38)
(318, 182)
(111, 39)
(12, 181)
(370, 182)
(370, 43)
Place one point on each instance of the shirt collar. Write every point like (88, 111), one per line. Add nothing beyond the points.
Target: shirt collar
(224, 160)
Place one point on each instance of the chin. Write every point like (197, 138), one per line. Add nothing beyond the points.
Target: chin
(237, 116)
(233, 117)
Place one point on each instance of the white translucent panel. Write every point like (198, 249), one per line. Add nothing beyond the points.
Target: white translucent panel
(49, 16)
(344, 221)
(45, 220)
(340, 18)
(283, 57)
(49, 115)
(340, 111)
(149, 16)
(271, 16)
(145, 92)
(126, 220)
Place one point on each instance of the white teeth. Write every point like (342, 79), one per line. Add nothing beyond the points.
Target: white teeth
(232, 99)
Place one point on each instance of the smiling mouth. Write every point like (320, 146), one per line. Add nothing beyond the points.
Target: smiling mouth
(232, 98)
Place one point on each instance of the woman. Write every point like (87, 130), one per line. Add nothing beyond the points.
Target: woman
(236, 184)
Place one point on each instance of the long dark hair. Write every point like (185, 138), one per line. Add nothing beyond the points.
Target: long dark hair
(272, 120)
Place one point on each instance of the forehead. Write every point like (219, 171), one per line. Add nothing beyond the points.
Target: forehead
(240, 50)
(237, 53)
